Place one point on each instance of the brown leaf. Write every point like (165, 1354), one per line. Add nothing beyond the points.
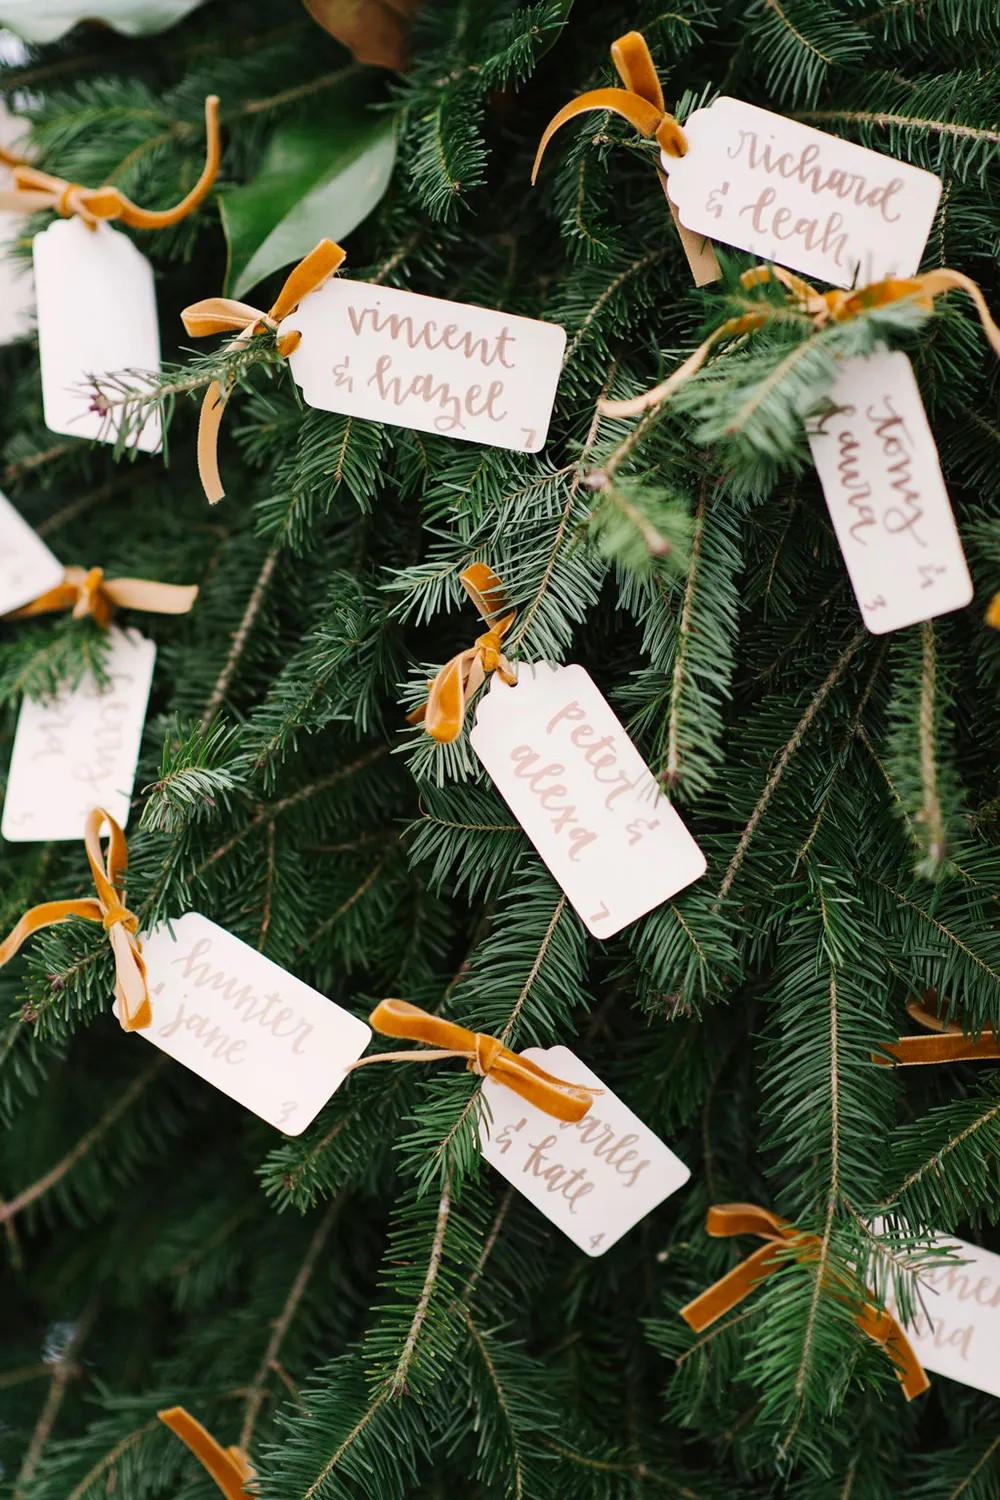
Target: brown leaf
(374, 30)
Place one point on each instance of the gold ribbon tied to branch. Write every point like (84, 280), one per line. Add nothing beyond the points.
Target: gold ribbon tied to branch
(946, 1043)
(727, 1219)
(224, 315)
(35, 190)
(229, 1467)
(461, 678)
(86, 591)
(822, 307)
(108, 908)
(484, 1055)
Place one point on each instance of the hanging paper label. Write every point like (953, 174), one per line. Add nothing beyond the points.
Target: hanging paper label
(96, 316)
(882, 479)
(79, 749)
(958, 1334)
(246, 1025)
(17, 292)
(27, 567)
(594, 1179)
(447, 367)
(584, 795)
(800, 197)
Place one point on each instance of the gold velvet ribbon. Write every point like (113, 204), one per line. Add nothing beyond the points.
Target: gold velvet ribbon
(108, 908)
(461, 678)
(947, 1043)
(229, 1467)
(484, 1055)
(224, 315)
(34, 190)
(727, 1219)
(86, 591)
(836, 306)
(993, 612)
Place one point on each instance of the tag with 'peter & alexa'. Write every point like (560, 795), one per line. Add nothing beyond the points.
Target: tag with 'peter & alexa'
(583, 794)
(958, 1332)
(27, 567)
(595, 1178)
(247, 1026)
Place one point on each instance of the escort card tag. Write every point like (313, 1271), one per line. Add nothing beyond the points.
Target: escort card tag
(27, 567)
(390, 356)
(17, 292)
(800, 197)
(96, 316)
(583, 794)
(79, 749)
(881, 476)
(594, 1179)
(247, 1026)
(959, 1335)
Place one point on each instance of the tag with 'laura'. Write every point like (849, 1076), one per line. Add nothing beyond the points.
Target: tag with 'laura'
(583, 794)
(800, 197)
(958, 1333)
(79, 749)
(879, 468)
(27, 567)
(391, 356)
(594, 1179)
(96, 316)
(247, 1026)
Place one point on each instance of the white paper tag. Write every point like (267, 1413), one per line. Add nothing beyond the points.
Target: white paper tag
(882, 479)
(583, 794)
(448, 367)
(96, 316)
(79, 750)
(269, 1041)
(594, 1179)
(959, 1336)
(17, 291)
(27, 567)
(800, 197)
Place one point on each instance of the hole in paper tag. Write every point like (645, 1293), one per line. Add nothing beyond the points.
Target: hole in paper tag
(27, 567)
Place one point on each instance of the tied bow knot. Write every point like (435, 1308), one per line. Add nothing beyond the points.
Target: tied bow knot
(461, 678)
(224, 315)
(228, 1467)
(107, 907)
(86, 591)
(946, 1043)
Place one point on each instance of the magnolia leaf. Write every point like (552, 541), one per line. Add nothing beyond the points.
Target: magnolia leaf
(318, 180)
(47, 20)
(374, 30)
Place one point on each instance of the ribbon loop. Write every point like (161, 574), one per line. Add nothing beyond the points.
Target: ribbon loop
(948, 1041)
(461, 678)
(224, 315)
(86, 591)
(108, 908)
(228, 1467)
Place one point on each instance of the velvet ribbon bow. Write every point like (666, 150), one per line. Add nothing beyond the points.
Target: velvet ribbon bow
(229, 1467)
(727, 1219)
(836, 306)
(224, 315)
(483, 1054)
(34, 191)
(86, 591)
(947, 1042)
(461, 678)
(108, 908)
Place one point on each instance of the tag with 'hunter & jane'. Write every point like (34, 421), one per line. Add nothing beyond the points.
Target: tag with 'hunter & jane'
(594, 1179)
(79, 749)
(880, 472)
(958, 1334)
(583, 794)
(391, 356)
(800, 197)
(27, 567)
(247, 1026)
(96, 316)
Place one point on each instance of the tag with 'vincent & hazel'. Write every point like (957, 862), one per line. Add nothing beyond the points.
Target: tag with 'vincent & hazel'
(96, 316)
(391, 356)
(595, 1178)
(27, 567)
(958, 1333)
(247, 1026)
(801, 197)
(79, 749)
(880, 472)
(583, 794)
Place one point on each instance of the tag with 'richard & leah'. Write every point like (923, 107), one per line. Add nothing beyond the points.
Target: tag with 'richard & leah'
(800, 197)
(79, 749)
(391, 356)
(27, 567)
(958, 1334)
(96, 316)
(594, 1179)
(583, 794)
(879, 468)
(247, 1026)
